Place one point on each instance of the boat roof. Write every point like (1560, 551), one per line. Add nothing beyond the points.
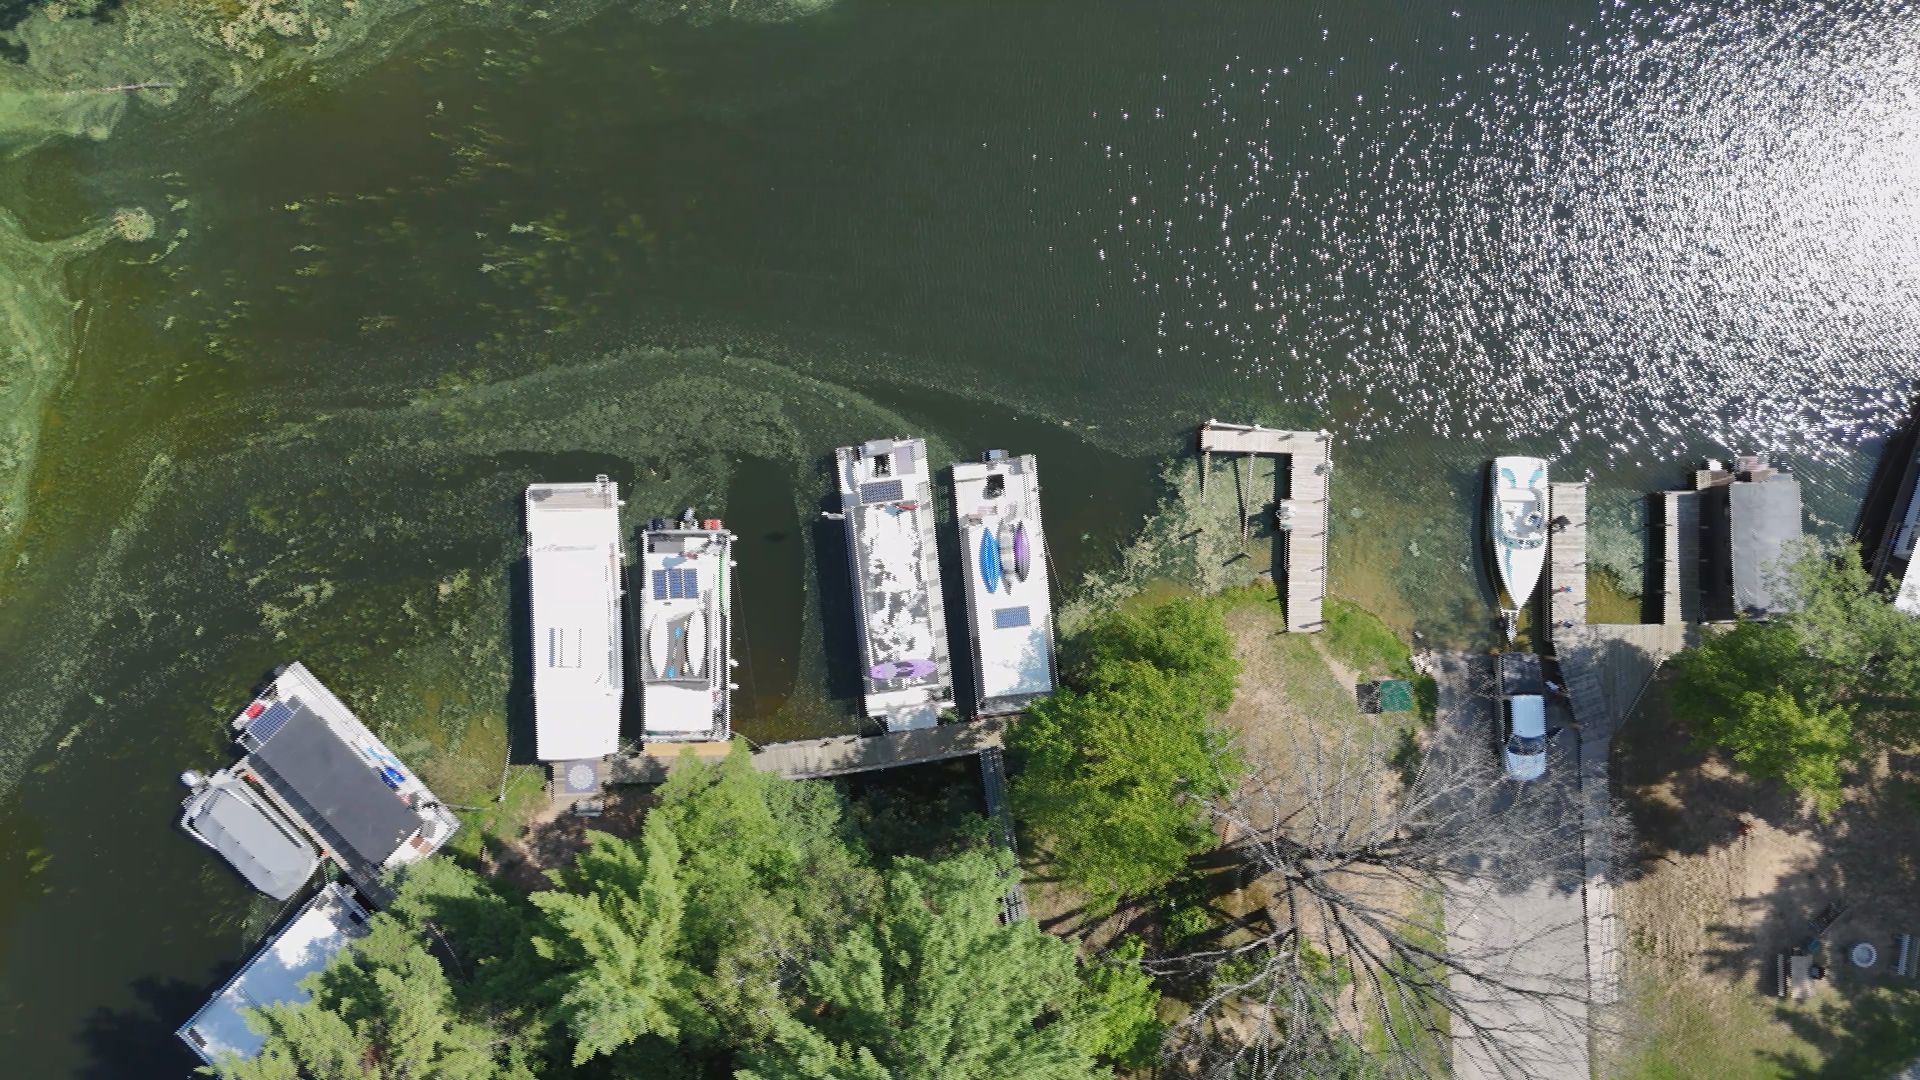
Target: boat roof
(1011, 624)
(323, 927)
(1765, 519)
(573, 556)
(1529, 714)
(685, 579)
(886, 494)
(329, 783)
(249, 834)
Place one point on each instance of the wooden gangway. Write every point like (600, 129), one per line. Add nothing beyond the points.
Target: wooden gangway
(1567, 557)
(1302, 515)
(993, 784)
(836, 755)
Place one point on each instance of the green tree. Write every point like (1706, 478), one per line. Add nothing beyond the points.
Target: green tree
(1122, 1008)
(1112, 770)
(383, 1010)
(487, 933)
(615, 929)
(771, 873)
(1799, 699)
(935, 987)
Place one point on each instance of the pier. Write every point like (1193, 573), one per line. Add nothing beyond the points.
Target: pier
(836, 755)
(1301, 516)
(1567, 556)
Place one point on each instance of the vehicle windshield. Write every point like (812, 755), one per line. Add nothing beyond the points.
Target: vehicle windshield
(1527, 745)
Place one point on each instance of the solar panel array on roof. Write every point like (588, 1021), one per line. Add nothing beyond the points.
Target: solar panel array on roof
(883, 491)
(676, 583)
(1009, 618)
(272, 719)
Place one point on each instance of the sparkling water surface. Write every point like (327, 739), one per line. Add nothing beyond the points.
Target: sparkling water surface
(696, 258)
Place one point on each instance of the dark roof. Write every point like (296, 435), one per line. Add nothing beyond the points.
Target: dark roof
(1521, 673)
(334, 788)
(1764, 518)
(236, 825)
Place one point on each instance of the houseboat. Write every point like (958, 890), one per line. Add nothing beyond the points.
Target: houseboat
(686, 629)
(314, 782)
(573, 566)
(996, 503)
(328, 923)
(886, 500)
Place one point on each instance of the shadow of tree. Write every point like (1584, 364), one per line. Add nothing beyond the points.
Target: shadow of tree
(1870, 1032)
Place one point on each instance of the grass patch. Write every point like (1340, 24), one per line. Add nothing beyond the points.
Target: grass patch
(499, 822)
(1420, 1026)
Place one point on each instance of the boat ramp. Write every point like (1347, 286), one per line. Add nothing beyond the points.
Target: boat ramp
(1301, 516)
(1008, 587)
(886, 501)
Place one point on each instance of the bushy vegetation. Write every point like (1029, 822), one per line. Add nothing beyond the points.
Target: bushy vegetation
(748, 931)
(1114, 767)
(1801, 698)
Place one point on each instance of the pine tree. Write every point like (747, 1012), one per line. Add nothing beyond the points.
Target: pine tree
(382, 1010)
(934, 987)
(615, 929)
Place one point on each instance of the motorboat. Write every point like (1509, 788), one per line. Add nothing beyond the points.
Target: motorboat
(1518, 525)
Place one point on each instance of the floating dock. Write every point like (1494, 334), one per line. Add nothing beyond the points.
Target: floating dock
(686, 630)
(1301, 516)
(328, 923)
(573, 565)
(886, 500)
(313, 766)
(1003, 561)
(1567, 555)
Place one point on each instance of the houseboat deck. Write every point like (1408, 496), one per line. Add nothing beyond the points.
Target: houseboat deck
(573, 557)
(686, 631)
(886, 498)
(1008, 588)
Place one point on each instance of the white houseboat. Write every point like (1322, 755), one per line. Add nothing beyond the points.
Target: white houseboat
(686, 629)
(573, 564)
(1003, 561)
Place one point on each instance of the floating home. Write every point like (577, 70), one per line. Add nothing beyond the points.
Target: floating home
(573, 565)
(315, 783)
(886, 500)
(327, 924)
(1727, 539)
(996, 502)
(686, 629)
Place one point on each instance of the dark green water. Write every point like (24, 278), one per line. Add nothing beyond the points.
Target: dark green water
(698, 258)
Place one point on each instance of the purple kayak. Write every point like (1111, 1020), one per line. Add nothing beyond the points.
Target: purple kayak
(1022, 552)
(900, 669)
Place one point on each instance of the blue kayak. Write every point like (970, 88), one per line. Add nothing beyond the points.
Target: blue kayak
(989, 560)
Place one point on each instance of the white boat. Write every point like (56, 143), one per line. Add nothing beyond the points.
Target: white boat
(1519, 510)
(687, 607)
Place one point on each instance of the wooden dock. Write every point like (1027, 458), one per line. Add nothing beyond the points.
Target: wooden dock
(1302, 515)
(1680, 555)
(836, 755)
(1567, 557)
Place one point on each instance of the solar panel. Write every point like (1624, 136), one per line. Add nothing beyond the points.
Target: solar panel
(1010, 618)
(272, 720)
(882, 491)
(659, 584)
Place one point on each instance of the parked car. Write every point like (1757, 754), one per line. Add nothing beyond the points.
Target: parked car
(1524, 736)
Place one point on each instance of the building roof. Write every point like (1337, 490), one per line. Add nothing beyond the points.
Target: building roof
(573, 556)
(1764, 519)
(232, 819)
(337, 790)
(328, 922)
(1521, 673)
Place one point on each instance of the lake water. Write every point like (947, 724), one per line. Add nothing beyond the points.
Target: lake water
(696, 258)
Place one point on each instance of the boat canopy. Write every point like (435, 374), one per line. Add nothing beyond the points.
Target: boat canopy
(265, 850)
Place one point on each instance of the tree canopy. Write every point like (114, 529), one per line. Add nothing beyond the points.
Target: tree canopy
(749, 926)
(1799, 699)
(1115, 768)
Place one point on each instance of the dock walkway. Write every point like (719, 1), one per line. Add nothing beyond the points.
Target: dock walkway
(993, 783)
(836, 755)
(1567, 562)
(1302, 515)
